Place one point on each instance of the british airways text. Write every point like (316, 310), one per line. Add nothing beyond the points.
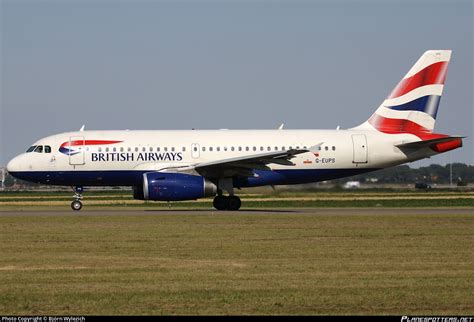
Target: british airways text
(130, 157)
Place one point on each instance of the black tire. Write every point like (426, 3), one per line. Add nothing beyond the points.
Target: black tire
(76, 205)
(234, 203)
(221, 202)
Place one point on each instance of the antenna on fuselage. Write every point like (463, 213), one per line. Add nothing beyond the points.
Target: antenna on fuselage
(281, 126)
(82, 128)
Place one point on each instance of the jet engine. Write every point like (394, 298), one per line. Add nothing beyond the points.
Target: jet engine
(163, 186)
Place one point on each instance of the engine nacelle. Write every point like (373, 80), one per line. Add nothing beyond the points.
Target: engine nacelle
(162, 186)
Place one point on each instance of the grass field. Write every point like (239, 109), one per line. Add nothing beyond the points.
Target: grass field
(307, 261)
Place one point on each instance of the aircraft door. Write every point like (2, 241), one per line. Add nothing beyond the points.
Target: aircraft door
(195, 150)
(76, 150)
(359, 142)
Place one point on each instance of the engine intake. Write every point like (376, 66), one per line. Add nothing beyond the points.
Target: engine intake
(161, 186)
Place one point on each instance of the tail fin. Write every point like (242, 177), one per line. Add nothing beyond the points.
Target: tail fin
(412, 106)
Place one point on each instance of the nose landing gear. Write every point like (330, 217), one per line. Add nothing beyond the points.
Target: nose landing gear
(76, 204)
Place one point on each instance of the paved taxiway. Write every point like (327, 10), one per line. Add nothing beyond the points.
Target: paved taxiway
(301, 211)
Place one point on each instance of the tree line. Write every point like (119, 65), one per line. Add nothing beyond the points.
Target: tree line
(457, 173)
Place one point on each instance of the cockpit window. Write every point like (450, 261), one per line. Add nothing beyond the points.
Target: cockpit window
(39, 149)
(47, 149)
(31, 148)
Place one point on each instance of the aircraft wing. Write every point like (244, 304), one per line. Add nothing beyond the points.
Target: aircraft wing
(244, 165)
(238, 166)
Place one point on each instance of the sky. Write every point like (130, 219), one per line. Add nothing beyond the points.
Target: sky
(222, 64)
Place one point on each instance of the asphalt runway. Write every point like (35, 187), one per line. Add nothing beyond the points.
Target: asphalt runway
(301, 211)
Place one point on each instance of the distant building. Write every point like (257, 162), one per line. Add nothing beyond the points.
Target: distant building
(352, 185)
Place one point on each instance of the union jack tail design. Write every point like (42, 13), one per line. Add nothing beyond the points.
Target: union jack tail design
(412, 106)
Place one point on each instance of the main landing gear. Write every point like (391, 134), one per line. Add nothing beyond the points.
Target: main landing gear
(230, 202)
(227, 202)
(76, 205)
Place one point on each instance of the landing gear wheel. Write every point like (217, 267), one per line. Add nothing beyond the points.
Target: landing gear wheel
(234, 203)
(227, 203)
(220, 202)
(76, 205)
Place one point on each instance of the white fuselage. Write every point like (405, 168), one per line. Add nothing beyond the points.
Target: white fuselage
(331, 151)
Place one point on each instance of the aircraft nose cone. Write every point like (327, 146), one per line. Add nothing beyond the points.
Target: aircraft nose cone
(13, 165)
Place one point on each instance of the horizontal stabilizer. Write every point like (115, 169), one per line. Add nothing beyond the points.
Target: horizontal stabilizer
(428, 143)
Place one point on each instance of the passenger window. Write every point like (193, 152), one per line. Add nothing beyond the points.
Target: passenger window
(107, 149)
(158, 149)
(39, 149)
(203, 149)
(210, 148)
(183, 149)
(246, 148)
(47, 149)
(100, 149)
(115, 149)
(255, 148)
(218, 148)
(240, 148)
(121, 149)
(151, 149)
(269, 148)
(195, 149)
(276, 148)
(333, 148)
(143, 149)
(136, 149)
(165, 149)
(31, 149)
(232, 148)
(129, 149)
(172, 149)
(326, 148)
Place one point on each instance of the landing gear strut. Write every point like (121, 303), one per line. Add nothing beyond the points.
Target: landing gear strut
(76, 205)
(227, 202)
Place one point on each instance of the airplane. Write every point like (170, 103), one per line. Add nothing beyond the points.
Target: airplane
(187, 165)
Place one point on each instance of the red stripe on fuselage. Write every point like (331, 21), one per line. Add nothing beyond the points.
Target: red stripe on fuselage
(430, 75)
(88, 142)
